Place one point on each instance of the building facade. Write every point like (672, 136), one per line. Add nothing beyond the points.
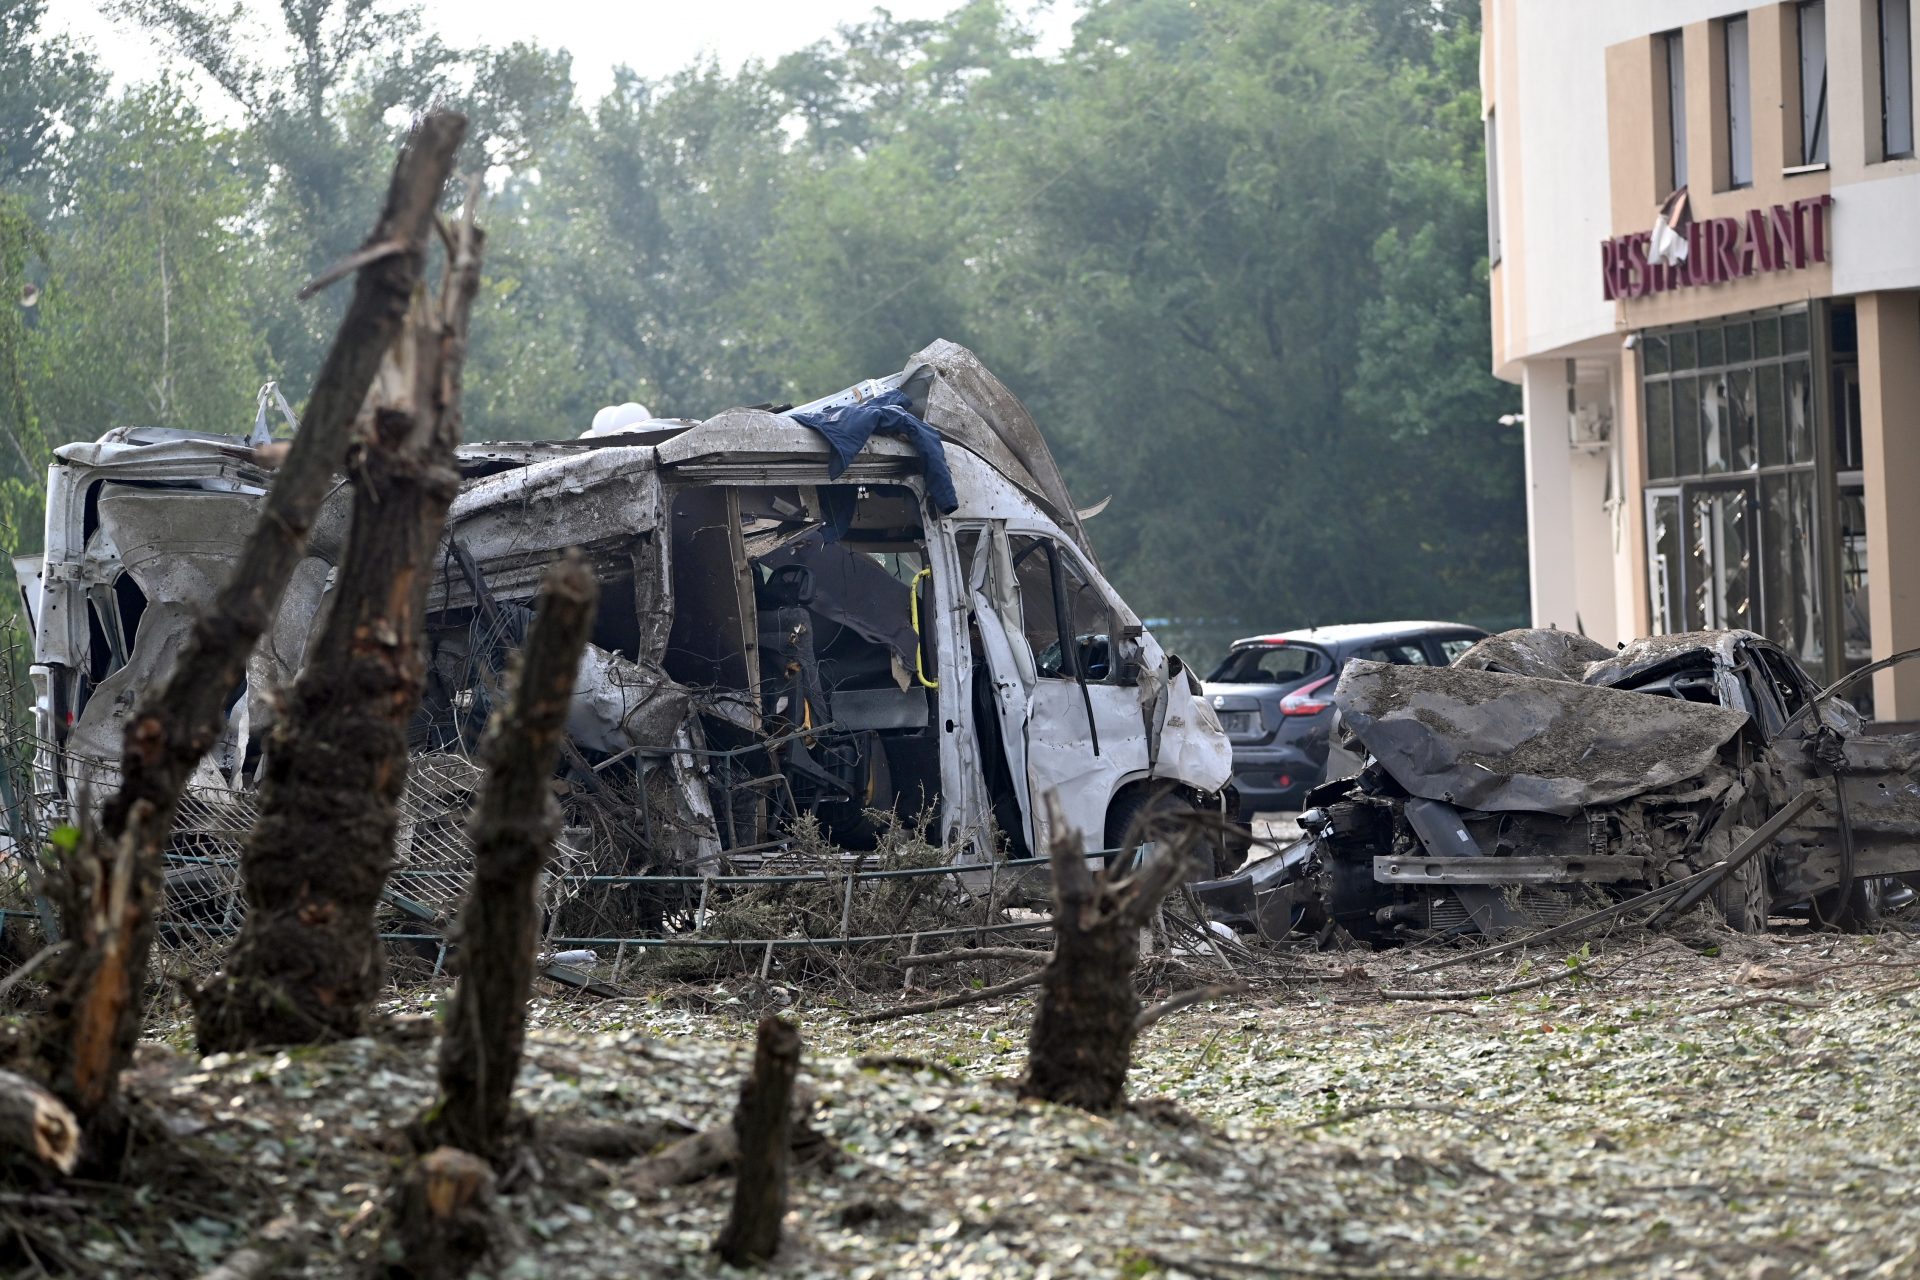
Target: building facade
(1704, 228)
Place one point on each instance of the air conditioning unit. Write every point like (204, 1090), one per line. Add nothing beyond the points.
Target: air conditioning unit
(1589, 428)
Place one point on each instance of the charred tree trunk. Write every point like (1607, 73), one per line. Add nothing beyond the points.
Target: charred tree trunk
(441, 1221)
(308, 962)
(763, 1125)
(1083, 1027)
(114, 876)
(512, 840)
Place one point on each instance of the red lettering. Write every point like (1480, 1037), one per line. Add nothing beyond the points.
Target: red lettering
(1726, 235)
(1759, 251)
(1609, 289)
(1788, 234)
(1699, 264)
(1816, 207)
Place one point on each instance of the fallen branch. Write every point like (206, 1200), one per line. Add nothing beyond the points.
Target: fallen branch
(902, 1062)
(1020, 983)
(1806, 977)
(610, 1141)
(1749, 1003)
(974, 953)
(697, 1156)
(1508, 988)
(1174, 1004)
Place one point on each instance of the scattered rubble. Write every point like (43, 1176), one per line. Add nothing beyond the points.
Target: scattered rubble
(1712, 1115)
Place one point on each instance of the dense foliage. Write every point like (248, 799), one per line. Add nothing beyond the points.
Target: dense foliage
(1231, 253)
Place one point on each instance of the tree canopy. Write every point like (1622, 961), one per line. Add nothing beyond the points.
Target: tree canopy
(1232, 254)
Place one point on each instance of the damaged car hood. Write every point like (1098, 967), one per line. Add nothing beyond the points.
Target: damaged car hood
(1489, 741)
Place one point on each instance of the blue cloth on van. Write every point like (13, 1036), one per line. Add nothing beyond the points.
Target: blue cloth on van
(848, 427)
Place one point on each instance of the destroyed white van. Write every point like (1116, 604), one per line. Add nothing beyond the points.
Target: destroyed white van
(772, 640)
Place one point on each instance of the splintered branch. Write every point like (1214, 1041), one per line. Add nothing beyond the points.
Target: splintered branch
(85, 1040)
(308, 963)
(513, 833)
(1081, 1044)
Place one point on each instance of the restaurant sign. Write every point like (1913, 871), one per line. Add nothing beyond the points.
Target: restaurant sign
(1719, 250)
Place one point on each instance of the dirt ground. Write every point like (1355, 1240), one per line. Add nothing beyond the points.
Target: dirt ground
(1716, 1106)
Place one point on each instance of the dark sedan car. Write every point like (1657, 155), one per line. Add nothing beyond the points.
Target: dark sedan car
(1274, 697)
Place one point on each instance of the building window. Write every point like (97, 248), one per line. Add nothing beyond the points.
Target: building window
(1896, 79)
(1493, 192)
(1673, 56)
(1813, 82)
(1729, 417)
(1739, 105)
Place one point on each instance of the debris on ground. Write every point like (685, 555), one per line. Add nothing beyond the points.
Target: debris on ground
(1729, 1114)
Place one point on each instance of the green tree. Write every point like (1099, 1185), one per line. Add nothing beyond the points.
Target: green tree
(320, 118)
(23, 457)
(1455, 493)
(46, 87)
(1191, 231)
(146, 319)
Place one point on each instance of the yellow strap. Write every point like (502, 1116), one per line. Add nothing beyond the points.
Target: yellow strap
(919, 650)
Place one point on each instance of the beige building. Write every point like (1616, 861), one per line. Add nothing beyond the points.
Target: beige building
(1729, 438)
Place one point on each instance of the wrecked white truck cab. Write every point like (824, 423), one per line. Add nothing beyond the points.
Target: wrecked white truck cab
(770, 642)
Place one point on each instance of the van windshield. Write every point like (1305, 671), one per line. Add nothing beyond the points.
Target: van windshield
(1270, 664)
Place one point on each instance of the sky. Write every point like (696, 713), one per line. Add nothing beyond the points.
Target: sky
(654, 37)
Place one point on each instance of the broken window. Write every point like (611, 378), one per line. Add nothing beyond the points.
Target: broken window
(1407, 654)
(1269, 664)
(1056, 598)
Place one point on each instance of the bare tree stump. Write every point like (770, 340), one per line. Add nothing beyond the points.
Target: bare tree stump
(513, 834)
(441, 1223)
(308, 963)
(763, 1124)
(36, 1129)
(1088, 1012)
(114, 877)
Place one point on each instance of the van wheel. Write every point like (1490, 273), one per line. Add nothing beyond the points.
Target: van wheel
(1137, 816)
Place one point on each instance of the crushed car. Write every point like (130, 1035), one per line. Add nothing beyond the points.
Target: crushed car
(796, 618)
(1542, 774)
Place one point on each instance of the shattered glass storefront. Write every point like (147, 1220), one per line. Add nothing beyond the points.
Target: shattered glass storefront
(1753, 492)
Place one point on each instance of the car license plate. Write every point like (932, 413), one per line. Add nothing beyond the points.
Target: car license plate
(1237, 721)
